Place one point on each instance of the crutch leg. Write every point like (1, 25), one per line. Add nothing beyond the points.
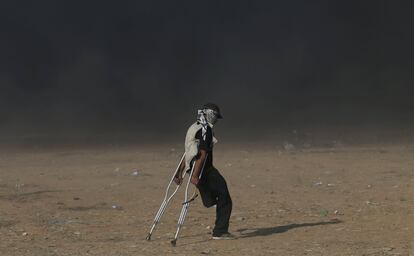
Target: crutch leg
(183, 214)
(186, 203)
(166, 200)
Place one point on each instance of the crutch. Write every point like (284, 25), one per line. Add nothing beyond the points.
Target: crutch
(186, 203)
(166, 200)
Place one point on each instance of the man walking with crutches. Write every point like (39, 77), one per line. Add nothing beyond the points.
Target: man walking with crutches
(199, 144)
(197, 161)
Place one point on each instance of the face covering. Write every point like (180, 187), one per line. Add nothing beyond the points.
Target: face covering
(211, 116)
(206, 117)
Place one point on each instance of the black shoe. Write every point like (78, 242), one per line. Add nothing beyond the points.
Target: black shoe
(225, 236)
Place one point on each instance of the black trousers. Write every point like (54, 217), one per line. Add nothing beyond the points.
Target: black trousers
(214, 191)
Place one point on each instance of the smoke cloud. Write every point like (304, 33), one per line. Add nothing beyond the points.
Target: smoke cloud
(134, 66)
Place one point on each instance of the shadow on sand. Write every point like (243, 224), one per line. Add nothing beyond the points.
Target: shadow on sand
(281, 229)
(25, 196)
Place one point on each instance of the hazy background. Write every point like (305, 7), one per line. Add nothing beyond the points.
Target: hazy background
(115, 68)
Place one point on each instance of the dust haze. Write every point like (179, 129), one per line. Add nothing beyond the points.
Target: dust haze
(94, 69)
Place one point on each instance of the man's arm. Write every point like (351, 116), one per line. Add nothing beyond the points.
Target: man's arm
(198, 167)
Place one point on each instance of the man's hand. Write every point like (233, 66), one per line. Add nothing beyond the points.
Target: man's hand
(195, 180)
(178, 180)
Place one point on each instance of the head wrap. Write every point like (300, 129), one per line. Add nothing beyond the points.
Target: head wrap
(202, 119)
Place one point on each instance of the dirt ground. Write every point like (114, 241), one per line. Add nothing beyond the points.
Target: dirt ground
(336, 200)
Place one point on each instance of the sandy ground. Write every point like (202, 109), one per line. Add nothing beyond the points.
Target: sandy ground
(314, 201)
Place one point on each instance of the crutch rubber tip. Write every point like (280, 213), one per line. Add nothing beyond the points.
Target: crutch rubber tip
(148, 238)
(174, 242)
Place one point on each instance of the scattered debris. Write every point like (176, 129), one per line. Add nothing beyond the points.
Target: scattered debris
(19, 186)
(117, 207)
(370, 203)
(240, 218)
(288, 147)
(318, 183)
(206, 251)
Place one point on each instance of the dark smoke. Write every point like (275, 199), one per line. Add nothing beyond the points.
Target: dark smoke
(71, 67)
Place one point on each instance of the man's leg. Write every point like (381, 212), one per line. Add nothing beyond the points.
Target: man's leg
(218, 186)
(207, 195)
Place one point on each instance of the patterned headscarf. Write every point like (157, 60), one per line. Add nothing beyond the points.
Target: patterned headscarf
(206, 117)
(201, 119)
